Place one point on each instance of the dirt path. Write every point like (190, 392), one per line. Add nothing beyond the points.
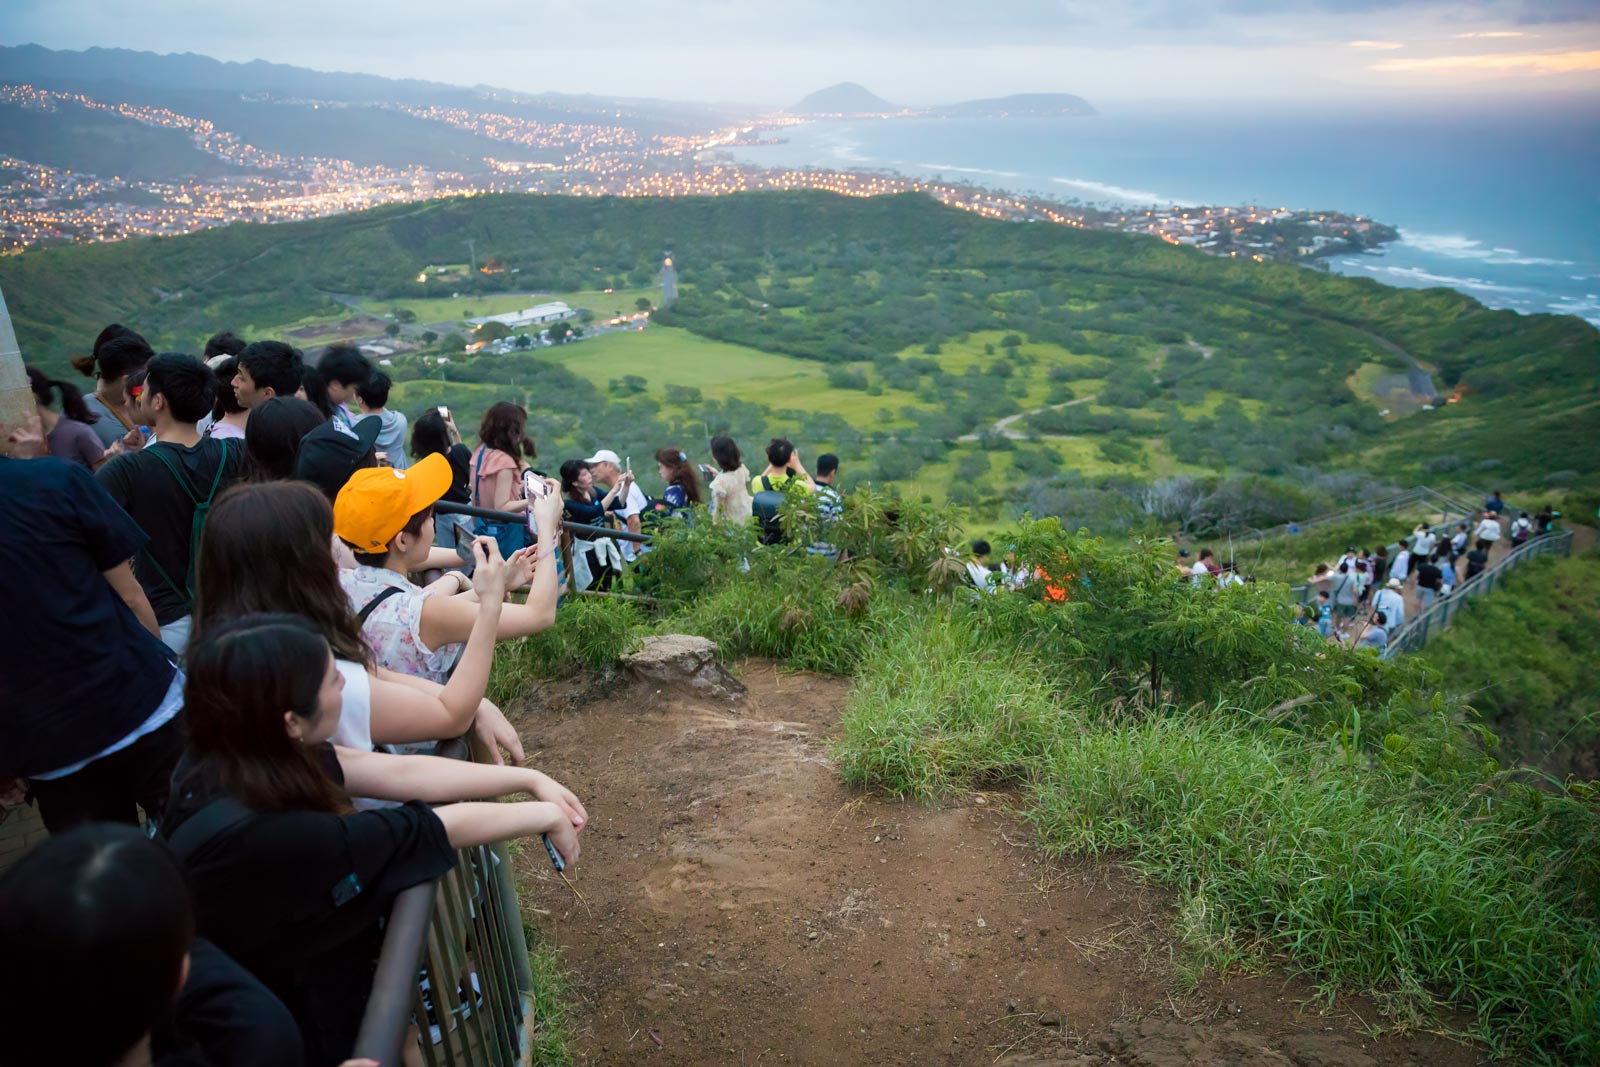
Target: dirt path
(1003, 426)
(742, 907)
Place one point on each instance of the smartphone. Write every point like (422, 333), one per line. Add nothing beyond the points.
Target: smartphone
(444, 413)
(464, 536)
(383, 458)
(555, 857)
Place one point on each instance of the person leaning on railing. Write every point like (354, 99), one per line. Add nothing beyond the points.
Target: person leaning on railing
(288, 879)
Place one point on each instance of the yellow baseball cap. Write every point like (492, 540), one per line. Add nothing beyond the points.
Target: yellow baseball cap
(376, 503)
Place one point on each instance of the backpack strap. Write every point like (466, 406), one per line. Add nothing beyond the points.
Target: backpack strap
(203, 826)
(766, 483)
(197, 523)
(372, 605)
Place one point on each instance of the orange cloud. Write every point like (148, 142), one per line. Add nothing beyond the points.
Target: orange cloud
(1377, 46)
(1496, 33)
(1502, 63)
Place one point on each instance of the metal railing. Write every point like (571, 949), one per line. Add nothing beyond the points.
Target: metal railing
(1444, 530)
(454, 964)
(1450, 508)
(587, 533)
(1437, 616)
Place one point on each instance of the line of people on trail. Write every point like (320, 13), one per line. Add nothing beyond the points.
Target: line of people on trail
(1425, 562)
(220, 629)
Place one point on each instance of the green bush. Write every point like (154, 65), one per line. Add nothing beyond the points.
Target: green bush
(590, 633)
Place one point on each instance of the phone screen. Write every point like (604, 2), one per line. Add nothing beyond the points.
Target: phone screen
(464, 536)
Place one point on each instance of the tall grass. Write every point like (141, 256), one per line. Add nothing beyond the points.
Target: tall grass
(1463, 899)
(590, 633)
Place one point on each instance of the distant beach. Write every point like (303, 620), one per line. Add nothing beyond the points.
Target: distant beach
(1500, 206)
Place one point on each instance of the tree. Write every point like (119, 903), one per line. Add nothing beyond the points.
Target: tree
(428, 337)
(558, 332)
(453, 342)
(392, 329)
(491, 331)
(643, 303)
(522, 340)
(405, 315)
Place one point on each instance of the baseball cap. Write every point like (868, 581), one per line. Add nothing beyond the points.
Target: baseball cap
(329, 453)
(376, 503)
(605, 455)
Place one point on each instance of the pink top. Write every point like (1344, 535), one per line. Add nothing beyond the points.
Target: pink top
(486, 463)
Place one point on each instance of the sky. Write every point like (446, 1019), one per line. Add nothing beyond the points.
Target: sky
(913, 52)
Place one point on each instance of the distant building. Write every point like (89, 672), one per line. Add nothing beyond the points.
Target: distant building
(669, 282)
(539, 315)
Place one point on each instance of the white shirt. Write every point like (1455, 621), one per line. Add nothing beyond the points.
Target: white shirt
(1424, 544)
(355, 720)
(1488, 530)
(1200, 572)
(1401, 566)
(1392, 604)
(633, 505)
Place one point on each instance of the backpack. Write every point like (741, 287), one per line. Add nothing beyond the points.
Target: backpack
(197, 524)
(764, 505)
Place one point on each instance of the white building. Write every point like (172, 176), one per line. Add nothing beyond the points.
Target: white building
(539, 315)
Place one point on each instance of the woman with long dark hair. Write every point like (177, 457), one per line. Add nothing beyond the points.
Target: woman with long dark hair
(117, 352)
(730, 489)
(497, 468)
(434, 433)
(683, 487)
(289, 880)
(272, 437)
(69, 431)
(267, 548)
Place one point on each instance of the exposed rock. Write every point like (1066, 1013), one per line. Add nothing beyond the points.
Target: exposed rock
(683, 660)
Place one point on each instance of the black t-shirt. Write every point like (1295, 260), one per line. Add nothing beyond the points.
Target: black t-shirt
(148, 491)
(1477, 559)
(78, 672)
(1429, 576)
(226, 1018)
(591, 512)
(296, 896)
(460, 491)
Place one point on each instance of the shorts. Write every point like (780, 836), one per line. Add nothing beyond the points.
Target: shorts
(1345, 611)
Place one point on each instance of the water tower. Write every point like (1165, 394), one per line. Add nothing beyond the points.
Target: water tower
(669, 282)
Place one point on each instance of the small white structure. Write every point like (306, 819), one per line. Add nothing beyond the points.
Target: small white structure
(539, 315)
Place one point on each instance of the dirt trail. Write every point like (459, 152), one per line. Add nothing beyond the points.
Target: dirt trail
(741, 906)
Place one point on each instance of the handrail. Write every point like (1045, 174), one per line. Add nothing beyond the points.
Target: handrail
(1415, 633)
(1302, 591)
(587, 533)
(462, 934)
(1448, 505)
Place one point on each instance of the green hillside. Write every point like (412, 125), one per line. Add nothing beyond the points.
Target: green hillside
(905, 331)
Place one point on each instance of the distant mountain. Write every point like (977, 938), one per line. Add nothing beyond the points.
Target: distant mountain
(846, 98)
(1022, 104)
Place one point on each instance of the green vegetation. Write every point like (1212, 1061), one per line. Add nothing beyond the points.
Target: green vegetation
(591, 633)
(1313, 805)
(552, 1022)
(1524, 657)
(101, 143)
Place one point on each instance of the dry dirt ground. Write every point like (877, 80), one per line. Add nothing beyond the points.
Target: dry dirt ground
(741, 906)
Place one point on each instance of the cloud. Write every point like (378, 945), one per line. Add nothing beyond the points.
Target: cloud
(1497, 33)
(1497, 64)
(1376, 46)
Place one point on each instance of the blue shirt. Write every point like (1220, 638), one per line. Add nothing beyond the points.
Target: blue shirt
(78, 672)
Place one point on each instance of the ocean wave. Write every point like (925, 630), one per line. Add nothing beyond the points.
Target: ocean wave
(1417, 274)
(970, 170)
(1456, 246)
(1118, 192)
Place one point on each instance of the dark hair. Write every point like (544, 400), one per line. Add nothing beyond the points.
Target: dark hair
(980, 547)
(315, 386)
(225, 343)
(680, 472)
(268, 548)
(72, 406)
(726, 453)
(429, 436)
(241, 677)
(374, 392)
(569, 475)
(1380, 618)
(344, 364)
(827, 463)
(188, 385)
(227, 400)
(504, 427)
(1344, 568)
(273, 434)
(1322, 593)
(779, 451)
(99, 907)
(273, 365)
(413, 527)
(1205, 553)
(116, 351)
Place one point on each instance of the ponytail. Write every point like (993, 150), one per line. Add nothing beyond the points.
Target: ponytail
(45, 389)
(84, 365)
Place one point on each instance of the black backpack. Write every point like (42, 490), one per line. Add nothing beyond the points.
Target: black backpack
(764, 505)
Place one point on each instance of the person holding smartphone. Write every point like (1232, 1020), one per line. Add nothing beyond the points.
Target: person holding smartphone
(609, 471)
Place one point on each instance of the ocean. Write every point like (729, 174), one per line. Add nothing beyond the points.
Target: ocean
(1500, 202)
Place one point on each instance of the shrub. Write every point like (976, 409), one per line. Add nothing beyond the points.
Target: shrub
(590, 633)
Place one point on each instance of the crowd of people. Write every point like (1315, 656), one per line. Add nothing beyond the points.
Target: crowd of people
(224, 638)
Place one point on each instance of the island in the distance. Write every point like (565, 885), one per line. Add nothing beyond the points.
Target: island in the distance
(850, 98)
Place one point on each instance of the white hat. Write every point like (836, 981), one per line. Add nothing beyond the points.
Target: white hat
(605, 455)
(1394, 583)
